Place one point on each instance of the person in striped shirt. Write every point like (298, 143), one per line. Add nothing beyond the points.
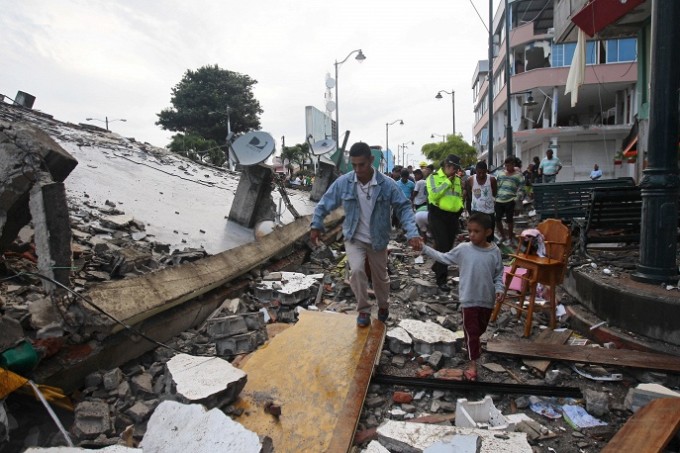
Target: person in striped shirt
(509, 181)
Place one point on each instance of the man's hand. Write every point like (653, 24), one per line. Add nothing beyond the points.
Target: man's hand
(416, 243)
(499, 297)
(314, 237)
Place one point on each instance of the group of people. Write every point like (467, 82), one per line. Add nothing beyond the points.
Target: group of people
(372, 201)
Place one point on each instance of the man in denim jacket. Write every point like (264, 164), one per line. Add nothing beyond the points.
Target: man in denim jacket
(367, 197)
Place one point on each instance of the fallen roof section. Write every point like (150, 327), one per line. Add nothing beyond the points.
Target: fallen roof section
(317, 372)
(136, 299)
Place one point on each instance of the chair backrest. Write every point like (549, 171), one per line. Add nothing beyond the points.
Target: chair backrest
(557, 239)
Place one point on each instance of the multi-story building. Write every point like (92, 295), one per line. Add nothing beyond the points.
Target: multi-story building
(541, 115)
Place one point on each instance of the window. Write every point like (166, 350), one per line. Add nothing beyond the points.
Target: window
(621, 50)
(563, 54)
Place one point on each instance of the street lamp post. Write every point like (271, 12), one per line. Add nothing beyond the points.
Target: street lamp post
(106, 120)
(443, 136)
(403, 150)
(453, 105)
(360, 57)
(387, 134)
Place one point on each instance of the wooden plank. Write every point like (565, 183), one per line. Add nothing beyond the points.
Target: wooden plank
(318, 371)
(134, 299)
(547, 337)
(581, 354)
(649, 430)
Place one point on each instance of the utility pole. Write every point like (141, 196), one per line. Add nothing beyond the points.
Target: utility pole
(490, 86)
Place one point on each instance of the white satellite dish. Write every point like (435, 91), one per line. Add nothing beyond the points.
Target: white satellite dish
(330, 82)
(323, 146)
(330, 106)
(253, 148)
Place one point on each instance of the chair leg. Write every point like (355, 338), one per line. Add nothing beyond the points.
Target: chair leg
(497, 307)
(530, 310)
(553, 307)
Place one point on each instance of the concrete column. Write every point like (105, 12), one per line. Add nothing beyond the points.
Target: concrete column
(253, 200)
(322, 181)
(49, 211)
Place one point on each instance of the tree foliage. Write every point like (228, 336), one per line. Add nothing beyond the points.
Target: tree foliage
(298, 154)
(454, 144)
(198, 149)
(204, 98)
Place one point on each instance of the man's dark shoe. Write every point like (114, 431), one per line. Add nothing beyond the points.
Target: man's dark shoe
(444, 287)
(383, 314)
(364, 320)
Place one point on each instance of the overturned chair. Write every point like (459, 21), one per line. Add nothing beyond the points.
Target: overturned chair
(547, 270)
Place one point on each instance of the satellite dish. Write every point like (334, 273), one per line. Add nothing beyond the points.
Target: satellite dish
(323, 147)
(330, 106)
(330, 83)
(253, 148)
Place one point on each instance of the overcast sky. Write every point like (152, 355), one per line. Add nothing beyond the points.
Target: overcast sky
(95, 58)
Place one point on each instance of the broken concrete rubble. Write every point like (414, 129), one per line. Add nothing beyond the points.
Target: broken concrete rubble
(201, 430)
(208, 380)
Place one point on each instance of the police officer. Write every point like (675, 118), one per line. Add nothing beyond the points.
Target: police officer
(445, 204)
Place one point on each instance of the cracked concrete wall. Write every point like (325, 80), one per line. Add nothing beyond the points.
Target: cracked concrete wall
(25, 150)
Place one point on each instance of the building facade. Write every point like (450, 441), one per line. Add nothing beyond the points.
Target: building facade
(541, 115)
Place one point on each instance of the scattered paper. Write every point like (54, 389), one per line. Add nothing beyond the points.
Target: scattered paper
(419, 259)
(578, 418)
(544, 408)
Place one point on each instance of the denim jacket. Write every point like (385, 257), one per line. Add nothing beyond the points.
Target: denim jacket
(386, 195)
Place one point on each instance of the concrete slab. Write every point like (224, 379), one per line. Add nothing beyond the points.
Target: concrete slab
(199, 379)
(318, 371)
(191, 428)
(414, 437)
(429, 337)
(134, 299)
(109, 449)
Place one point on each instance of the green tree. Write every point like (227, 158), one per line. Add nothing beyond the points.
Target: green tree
(198, 149)
(454, 144)
(298, 154)
(204, 99)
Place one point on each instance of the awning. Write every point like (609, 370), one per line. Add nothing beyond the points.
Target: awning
(598, 14)
(631, 149)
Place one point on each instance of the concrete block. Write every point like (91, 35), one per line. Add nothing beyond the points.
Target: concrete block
(429, 337)
(237, 344)
(435, 360)
(92, 418)
(206, 380)
(597, 403)
(425, 288)
(139, 411)
(49, 210)
(399, 341)
(253, 196)
(460, 444)
(325, 175)
(142, 385)
(225, 326)
(481, 414)
(644, 393)
(254, 321)
(375, 447)
(413, 437)
(25, 150)
(191, 428)
(112, 379)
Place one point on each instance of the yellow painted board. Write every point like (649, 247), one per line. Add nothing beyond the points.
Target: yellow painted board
(319, 372)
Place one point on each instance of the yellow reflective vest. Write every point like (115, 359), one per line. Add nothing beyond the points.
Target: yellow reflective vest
(447, 195)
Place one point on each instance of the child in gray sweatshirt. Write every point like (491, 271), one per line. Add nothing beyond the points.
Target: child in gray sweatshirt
(481, 282)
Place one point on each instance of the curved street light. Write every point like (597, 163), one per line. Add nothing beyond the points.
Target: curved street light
(360, 57)
(453, 105)
(106, 120)
(443, 136)
(387, 134)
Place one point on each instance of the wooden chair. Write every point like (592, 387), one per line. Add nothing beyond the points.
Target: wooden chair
(548, 271)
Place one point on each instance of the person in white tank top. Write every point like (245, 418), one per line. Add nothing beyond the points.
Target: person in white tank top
(480, 193)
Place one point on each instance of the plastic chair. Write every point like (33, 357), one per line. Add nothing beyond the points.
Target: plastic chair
(548, 271)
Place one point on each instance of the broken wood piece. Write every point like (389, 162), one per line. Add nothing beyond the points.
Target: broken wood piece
(548, 337)
(649, 430)
(601, 356)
